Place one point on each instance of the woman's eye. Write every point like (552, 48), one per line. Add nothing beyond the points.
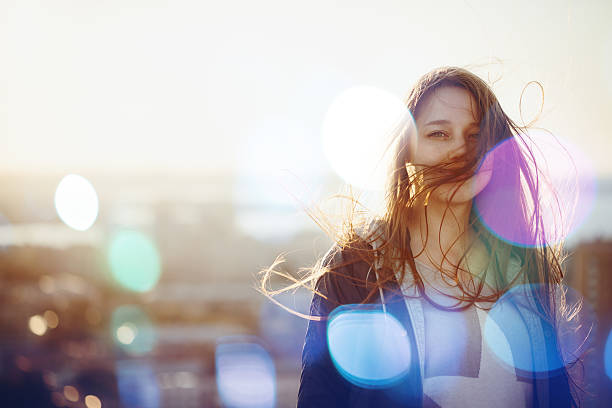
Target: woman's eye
(437, 135)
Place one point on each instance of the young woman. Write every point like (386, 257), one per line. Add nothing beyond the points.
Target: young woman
(433, 264)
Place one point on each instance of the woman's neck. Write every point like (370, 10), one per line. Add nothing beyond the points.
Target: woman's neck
(440, 233)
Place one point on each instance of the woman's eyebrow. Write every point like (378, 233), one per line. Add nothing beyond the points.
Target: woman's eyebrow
(447, 122)
(438, 122)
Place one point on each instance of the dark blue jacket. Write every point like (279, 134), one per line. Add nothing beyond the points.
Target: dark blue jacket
(349, 282)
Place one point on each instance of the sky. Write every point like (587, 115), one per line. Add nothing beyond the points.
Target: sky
(197, 86)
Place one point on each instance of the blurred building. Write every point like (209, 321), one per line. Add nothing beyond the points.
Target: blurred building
(589, 273)
(60, 278)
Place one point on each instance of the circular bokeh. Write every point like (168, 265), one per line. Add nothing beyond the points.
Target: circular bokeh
(134, 261)
(245, 373)
(132, 330)
(137, 384)
(357, 134)
(520, 336)
(546, 208)
(369, 347)
(608, 356)
(76, 202)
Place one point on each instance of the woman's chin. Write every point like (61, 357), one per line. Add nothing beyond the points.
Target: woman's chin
(463, 191)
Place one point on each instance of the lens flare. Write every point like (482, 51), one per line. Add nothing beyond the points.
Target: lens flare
(71, 393)
(37, 325)
(91, 401)
(563, 186)
(126, 333)
(369, 347)
(517, 334)
(608, 356)
(76, 202)
(356, 134)
(245, 374)
(132, 330)
(134, 261)
(51, 319)
(137, 384)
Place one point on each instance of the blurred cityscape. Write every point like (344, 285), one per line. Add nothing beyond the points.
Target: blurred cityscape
(206, 292)
(73, 335)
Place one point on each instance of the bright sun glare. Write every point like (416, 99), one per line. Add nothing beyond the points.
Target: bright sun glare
(356, 134)
(76, 202)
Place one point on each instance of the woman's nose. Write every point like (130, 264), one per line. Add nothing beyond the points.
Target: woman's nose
(459, 150)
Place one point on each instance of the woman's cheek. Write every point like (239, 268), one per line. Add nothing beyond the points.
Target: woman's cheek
(461, 192)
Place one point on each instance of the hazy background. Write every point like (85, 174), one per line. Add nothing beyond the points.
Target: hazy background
(201, 126)
(184, 85)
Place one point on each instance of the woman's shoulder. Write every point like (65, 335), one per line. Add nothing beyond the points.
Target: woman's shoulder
(356, 244)
(346, 273)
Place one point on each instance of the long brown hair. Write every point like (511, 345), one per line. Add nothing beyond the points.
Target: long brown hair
(539, 264)
(389, 244)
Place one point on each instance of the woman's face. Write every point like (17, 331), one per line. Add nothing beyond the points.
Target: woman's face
(447, 129)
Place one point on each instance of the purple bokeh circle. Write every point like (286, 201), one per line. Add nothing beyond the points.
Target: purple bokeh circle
(541, 189)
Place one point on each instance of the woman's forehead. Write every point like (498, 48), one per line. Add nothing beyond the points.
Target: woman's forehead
(447, 103)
